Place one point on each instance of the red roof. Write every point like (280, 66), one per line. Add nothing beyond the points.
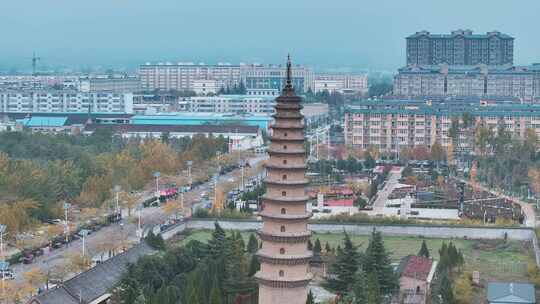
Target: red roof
(418, 268)
(339, 203)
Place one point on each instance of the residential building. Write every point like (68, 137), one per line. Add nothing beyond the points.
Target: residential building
(342, 83)
(190, 118)
(415, 276)
(284, 273)
(268, 80)
(394, 125)
(510, 293)
(230, 104)
(181, 76)
(63, 101)
(37, 82)
(110, 84)
(518, 82)
(205, 86)
(460, 47)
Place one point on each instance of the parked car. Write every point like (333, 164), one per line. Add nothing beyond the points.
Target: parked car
(7, 274)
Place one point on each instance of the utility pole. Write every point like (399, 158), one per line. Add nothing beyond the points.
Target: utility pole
(84, 233)
(139, 230)
(189, 164)
(66, 225)
(156, 175)
(117, 189)
(328, 144)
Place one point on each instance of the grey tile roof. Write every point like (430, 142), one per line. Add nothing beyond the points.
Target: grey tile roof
(507, 293)
(95, 282)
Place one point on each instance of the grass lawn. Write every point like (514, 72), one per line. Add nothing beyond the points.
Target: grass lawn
(493, 259)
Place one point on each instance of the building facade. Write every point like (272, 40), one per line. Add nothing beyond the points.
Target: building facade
(230, 104)
(284, 257)
(110, 84)
(37, 82)
(180, 76)
(520, 83)
(460, 47)
(392, 126)
(268, 80)
(342, 83)
(65, 102)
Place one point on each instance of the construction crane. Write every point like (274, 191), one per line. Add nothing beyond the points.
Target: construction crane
(35, 60)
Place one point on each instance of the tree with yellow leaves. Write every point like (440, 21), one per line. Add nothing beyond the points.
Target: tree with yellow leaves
(35, 277)
(473, 176)
(77, 263)
(16, 215)
(463, 291)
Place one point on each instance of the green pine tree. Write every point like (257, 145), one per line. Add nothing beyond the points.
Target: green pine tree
(327, 248)
(345, 266)
(424, 251)
(218, 242)
(445, 289)
(254, 265)
(360, 288)
(317, 247)
(309, 245)
(377, 260)
(253, 244)
(215, 294)
(140, 299)
(373, 294)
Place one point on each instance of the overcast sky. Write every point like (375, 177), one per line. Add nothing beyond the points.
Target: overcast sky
(355, 33)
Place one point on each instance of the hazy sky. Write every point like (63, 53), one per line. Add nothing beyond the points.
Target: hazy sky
(356, 33)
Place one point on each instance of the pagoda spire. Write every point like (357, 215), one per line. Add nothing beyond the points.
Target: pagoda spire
(288, 84)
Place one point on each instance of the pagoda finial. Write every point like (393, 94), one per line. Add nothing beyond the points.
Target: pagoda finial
(288, 85)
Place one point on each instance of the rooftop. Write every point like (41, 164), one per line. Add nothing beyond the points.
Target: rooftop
(416, 267)
(467, 34)
(509, 292)
(148, 128)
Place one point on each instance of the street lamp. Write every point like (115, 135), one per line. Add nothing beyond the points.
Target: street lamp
(66, 224)
(189, 164)
(156, 175)
(3, 264)
(83, 233)
(139, 230)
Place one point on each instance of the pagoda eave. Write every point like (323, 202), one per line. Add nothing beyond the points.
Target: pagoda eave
(270, 282)
(285, 259)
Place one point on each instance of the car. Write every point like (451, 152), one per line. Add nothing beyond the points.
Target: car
(7, 274)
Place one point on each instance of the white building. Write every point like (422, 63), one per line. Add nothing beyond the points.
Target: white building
(230, 104)
(29, 82)
(269, 80)
(180, 76)
(342, 83)
(65, 102)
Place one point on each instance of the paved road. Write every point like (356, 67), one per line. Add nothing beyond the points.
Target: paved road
(528, 209)
(127, 232)
(382, 195)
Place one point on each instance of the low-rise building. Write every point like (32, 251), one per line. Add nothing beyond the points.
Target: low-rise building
(510, 293)
(415, 276)
(205, 86)
(342, 83)
(230, 104)
(110, 84)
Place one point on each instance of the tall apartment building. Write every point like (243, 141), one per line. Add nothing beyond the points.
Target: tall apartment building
(110, 84)
(180, 76)
(393, 125)
(460, 47)
(65, 102)
(343, 83)
(522, 83)
(269, 80)
(230, 104)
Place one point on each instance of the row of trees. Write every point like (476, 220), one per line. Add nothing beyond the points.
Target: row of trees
(444, 290)
(366, 277)
(38, 172)
(217, 272)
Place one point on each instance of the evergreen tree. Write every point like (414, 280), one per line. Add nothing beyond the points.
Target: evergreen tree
(317, 247)
(377, 261)
(310, 298)
(373, 294)
(360, 288)
(140, 299)
(445, 289)
(309, 245)
(254, 265)
(218, 243)
(253, 244)
(345, 266)
(424, 251)
(155, 241)
(194, 297)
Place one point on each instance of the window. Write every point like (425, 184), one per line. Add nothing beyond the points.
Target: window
(285, 134)
(283, 211)
(284, 147)
(281, 273)
(283, 193)
(284, 161)
(282, 229)
(284, 177)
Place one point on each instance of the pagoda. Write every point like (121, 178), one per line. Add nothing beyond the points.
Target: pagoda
(284, 257)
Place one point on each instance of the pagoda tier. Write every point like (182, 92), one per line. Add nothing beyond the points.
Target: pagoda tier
(283, 255)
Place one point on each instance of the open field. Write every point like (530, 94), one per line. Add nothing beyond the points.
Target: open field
(495, 260)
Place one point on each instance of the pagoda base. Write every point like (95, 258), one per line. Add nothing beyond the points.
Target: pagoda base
(271, 295)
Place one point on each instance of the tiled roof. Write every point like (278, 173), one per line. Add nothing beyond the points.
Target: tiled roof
(95, 282)
(225, 128)
(417, 267)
